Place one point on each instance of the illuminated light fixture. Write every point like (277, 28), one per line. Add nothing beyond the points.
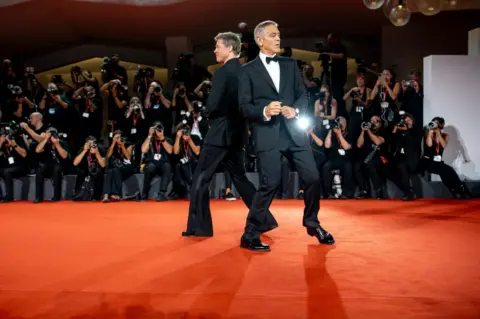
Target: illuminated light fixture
(400, 15)
(373, 4)
(430, 7)
(144, 3)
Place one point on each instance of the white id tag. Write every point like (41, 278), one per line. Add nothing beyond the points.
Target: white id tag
(11, 160)
(341, 152)
(156, 106)
(51, 111)
(384, 105)
(133, 131)
(126, 161)
(437, 158)
(402, 151)
(110, 135)
(86, 115)
(359, 109)
(325, 122)
(157, 157)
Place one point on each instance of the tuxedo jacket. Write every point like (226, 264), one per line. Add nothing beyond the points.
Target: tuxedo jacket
(227, 126)
(256, 90)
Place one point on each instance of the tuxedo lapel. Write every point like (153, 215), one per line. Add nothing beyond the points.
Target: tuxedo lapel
(262, 70)
(283, 73)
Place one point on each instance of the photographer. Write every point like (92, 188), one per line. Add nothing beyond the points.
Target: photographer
(157, 150)
(435, 142)
(406, 154)
(136, 127)
(117, 101)
(338, 55)
(202, 91)
(338, 154)
(361, 110)
(180, 101)
(13, 163)
(7, 77)
(158, 107)
(90, 111)
(384, 95)
(198, 124)
(311, 84)
(372, 157)
(187, 149)
(90, 163)
(120, 166)
(142, 80)
(20, 106)
(318, 150)
(34, 90)
(54, 107)
(325, 109)
(82, 78)
(53, 154)
(411, 96)
(112, 70)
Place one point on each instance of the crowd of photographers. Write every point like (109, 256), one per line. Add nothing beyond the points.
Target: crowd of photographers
(63, 129)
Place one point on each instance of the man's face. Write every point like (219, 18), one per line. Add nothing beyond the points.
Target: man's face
(269, 40)
(115, 59)
(222, 52)
(376, 122)
(413, 77)
(409, 121)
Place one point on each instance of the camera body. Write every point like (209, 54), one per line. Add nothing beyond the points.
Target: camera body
(93, 144)
(15, 90)
(354, 94)
(157, 89)
(159, 128)
(432, 125)
(402, 122)
(184, 160)
(335, 123)
(186, 131)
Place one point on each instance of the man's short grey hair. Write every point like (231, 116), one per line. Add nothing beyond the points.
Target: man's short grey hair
(230, 39)
(260, 28)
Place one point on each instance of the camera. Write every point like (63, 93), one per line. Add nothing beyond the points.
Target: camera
(9, 130)
(136, 107)
(15, 90)
(366, 125)
(321, 95)
(157, 89)
(53, 132)
(335, 123)
(186, 131)
(158, 127)
(29, 71)
(181, 91)
(122, 139)
(93, 144)
(402, 122)
(197, 107)
(354, 94)
(432, 125)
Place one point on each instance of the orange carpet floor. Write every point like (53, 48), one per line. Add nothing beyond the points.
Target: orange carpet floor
(127, 260)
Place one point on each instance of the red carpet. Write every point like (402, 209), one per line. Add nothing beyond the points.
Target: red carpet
(127, 260)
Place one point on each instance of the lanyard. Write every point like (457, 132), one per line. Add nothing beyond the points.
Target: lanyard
(134, 120)
(185, 148)
(88, 105)
(158, 146)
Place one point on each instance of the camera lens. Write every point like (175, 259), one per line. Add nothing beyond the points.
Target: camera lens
(157, 89)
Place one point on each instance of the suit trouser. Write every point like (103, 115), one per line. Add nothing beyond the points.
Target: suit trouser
(270, 172)
(447, 173)
(8, 175)
(199, 215)
(151, 169)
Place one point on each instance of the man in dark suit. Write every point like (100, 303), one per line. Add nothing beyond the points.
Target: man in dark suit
(224, 141)
(272, 96)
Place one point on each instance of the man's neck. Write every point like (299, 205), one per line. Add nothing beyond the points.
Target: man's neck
(268, 53)
(229, 58)
(38, 126)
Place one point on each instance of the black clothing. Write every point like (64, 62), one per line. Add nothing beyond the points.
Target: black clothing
(90, 177)
(158, 112)
(115, 113)
(89, 118)
(57, 116)
(157, 162)
(223, 142)
(277, 137)
(12, 166)
(412, 102)
(119, 169)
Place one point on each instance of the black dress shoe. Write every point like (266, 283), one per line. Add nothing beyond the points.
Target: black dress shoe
(322, 235)
(37, 201)
(191, 233)
(254, 244)
(362, 195)
(161, 197)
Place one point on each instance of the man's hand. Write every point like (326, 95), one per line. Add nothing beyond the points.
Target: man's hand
(288, 112)
(179, 133)
(310, 131)
(2, 139)
(273, 109)
(11, 142)
(55, 141)
(337, 131)
(151, 131)
(86, 147)
(24, 125)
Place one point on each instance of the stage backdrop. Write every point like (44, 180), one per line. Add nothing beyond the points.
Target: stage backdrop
(452, 91)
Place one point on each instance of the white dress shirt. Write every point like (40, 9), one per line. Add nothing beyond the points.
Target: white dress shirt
(273, 69)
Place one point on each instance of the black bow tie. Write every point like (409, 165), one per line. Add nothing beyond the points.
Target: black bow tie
(274, 59)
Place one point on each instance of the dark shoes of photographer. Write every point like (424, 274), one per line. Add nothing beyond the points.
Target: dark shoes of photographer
(409, 196)
(6, 199)
(254, 244)
(161, 197)
(362, 195)
(300, 195)
(323, 236)
(379, 194)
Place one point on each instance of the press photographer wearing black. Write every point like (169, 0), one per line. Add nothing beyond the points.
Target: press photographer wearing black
(180, 101)
(120, 167)
(158, 108)
(82, 78)
(117, 102)
(53, 153)
(202, 91)
(197, 122)
(338, 150)
(55, 108)
(361, 110)
(13, 160)
(89, 109)
(384, 95)
(157, 149)
(112, 70)
(318, 149)
(372, 157)
(20, 107)
(187, 150)
(325, 110)
(33, 89)
(338, 65)
(406, 146)
(35, 128)
(90, 164)
(411, 96)
(435, 142)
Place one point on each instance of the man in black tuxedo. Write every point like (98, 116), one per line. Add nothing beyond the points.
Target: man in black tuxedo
(272, 96)
(225, 141)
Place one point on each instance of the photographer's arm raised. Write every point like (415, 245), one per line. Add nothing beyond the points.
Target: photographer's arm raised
(100, 158)
(198, 90)
(146, 143)
(176, 145)
(20, 150)
(361, 139)
(104, 89)
(127, 151)
(333, 115)
(377, 140)
(41, 146)
(393, 92)
(328, 140)
(61, 151)
(194, 147)
(80, 156)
